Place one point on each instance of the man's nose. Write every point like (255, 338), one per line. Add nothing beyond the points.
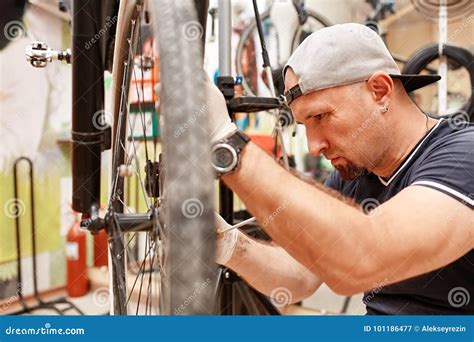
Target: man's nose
(316, 144)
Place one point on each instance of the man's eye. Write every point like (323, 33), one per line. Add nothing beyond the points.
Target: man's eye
(319, 117)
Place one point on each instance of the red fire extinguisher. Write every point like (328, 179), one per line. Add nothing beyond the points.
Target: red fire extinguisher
(77, 280)
(101, 245)
(101, 249)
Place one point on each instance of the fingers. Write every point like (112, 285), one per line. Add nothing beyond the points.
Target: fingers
(220, 222)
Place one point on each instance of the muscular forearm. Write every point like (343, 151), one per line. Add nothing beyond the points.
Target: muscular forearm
(321, 232)
(267, 267)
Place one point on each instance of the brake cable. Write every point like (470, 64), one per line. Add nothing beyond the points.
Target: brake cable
(268, 70)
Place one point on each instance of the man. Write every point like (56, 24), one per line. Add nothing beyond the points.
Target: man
(415, 173)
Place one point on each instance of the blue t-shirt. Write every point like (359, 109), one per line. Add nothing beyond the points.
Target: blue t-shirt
(442, 160)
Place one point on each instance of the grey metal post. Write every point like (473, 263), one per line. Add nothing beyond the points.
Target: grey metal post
(226, 196)
(225, 35)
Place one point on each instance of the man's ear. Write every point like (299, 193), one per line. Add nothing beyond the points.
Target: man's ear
(381, 86)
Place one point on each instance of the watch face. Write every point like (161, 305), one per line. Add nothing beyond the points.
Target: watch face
(224, 158)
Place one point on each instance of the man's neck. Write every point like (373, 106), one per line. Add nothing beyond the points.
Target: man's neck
(408, 132)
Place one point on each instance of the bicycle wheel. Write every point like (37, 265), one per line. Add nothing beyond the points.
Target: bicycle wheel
(459, 60)
(176, 270)
(251, 70)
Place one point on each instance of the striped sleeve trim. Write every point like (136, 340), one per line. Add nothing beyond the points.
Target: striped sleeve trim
(469, 200)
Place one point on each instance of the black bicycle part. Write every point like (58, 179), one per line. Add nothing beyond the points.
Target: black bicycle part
(236, 297)
(129, 222)
(109, 21)
(87, 104)
(266, 59)
(202, 7)
(253, 104)
(152, 178)
(226, 85)
(422, 57)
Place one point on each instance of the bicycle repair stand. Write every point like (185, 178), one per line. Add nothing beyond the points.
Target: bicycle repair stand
(41, 304)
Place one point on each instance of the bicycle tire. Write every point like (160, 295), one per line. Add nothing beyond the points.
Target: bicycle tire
(457, 55)
(252, 26)
(188, 172)
(188, 180)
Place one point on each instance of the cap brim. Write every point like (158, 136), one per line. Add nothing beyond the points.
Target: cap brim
(414, 82)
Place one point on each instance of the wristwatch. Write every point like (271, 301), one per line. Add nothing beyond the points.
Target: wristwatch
(225, 153)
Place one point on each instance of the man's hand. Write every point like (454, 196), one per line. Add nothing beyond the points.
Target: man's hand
(220, 124)
(266, 267)
(226, 242)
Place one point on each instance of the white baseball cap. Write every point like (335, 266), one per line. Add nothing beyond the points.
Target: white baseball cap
(344, 54)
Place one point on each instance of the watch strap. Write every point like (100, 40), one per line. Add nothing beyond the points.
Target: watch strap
(238, 139)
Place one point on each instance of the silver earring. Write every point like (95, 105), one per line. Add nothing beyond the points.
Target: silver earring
(384, 109)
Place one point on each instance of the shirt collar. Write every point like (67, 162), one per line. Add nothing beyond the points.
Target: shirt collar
(410, 156)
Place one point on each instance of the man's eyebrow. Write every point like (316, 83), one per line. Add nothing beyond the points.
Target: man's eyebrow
(307, 116)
